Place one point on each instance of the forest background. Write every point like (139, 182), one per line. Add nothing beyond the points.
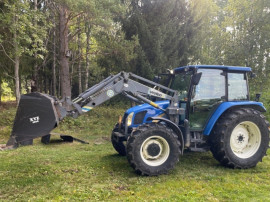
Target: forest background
(62, 47)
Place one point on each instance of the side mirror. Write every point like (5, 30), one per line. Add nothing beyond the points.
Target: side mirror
(258, 95)
(196, 78)
(156, 79)
(253, 75)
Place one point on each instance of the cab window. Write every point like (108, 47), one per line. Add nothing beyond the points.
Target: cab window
(237, 87)
(181, 84)
(211, 85)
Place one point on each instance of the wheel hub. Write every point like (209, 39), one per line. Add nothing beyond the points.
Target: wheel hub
(153, 149)
(245, 139)
(241, 138)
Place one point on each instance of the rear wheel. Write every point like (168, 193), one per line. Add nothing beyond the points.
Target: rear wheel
(153, 149)
(240, 138)
(118, 145)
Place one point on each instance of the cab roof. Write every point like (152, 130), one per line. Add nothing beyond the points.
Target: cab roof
(222, 67)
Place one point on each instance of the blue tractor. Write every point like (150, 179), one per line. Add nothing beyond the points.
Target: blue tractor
(197, 108)
(218, 115)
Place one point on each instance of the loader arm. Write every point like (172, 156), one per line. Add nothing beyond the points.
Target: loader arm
(123, 83)
(38, 113)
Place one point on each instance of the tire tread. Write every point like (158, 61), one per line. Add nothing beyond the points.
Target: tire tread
(218, 135)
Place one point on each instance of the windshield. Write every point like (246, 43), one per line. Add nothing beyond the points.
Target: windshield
(181, 84)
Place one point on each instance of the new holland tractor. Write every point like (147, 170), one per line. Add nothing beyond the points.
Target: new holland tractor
(198, 108)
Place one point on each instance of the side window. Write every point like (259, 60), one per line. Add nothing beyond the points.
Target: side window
(211, 85)
(237, 87)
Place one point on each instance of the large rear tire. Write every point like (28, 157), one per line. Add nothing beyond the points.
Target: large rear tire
(118, 145)
(153, 149)
(240, 138)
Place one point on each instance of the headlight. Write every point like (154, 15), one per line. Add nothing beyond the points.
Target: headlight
(129, 119)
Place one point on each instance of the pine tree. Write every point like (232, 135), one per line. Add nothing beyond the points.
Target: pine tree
(164, 32)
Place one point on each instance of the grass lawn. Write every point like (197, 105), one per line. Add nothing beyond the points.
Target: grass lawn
(73, 171)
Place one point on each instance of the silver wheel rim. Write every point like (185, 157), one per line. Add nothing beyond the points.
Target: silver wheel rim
(245, 139)
(161, 156)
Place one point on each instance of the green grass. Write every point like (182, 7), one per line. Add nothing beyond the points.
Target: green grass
(78, 172)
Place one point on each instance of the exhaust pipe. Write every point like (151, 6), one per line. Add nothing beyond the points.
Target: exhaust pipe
(37, 115)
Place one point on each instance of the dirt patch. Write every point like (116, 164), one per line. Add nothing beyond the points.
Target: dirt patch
(4, 147)
(101, 140)
(7, 105)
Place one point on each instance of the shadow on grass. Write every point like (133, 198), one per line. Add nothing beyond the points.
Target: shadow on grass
(58, 141)
(119, 164)
(189, 161)
(202, 159)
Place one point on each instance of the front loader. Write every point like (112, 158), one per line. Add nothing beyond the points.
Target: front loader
(197, 108)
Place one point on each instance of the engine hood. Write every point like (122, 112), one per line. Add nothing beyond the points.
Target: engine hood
(147, 110)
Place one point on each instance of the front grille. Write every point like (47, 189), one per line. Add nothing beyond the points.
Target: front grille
(138, 119)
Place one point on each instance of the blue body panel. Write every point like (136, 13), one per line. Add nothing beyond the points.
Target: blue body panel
(229, 68)
(151, 111)
(223, 107)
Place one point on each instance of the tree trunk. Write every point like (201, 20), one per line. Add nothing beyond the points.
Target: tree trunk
(64, 64)
(0, 90)
(34, 86)
(17, 78)
(50, 87)
(16, 68)
(87, 31)
(59, 84)
(80, 76)
(54, 61)
(80, 55)
(45, 80)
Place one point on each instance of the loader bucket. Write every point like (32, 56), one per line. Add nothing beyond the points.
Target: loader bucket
(36, 116)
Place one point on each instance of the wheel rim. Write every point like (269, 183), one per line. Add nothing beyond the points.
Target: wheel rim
(245, 139)
(155, 151)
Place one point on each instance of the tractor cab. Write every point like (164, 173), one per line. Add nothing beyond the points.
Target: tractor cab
(201, 89)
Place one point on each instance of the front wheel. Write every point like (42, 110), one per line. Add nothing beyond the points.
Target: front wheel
(153, 149)
(240, 138)
(118, 145)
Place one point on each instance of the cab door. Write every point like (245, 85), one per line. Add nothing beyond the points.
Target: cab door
(206, 96)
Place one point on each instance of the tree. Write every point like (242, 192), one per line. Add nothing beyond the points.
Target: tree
(208, 42)
(21, 34)
(164, 31)
(64, 16)
(247, 28)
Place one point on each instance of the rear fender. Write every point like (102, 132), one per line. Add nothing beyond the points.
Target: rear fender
(223, 107)
(173, 126)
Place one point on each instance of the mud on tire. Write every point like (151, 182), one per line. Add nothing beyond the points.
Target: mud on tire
(153, 149)
(240, 138)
